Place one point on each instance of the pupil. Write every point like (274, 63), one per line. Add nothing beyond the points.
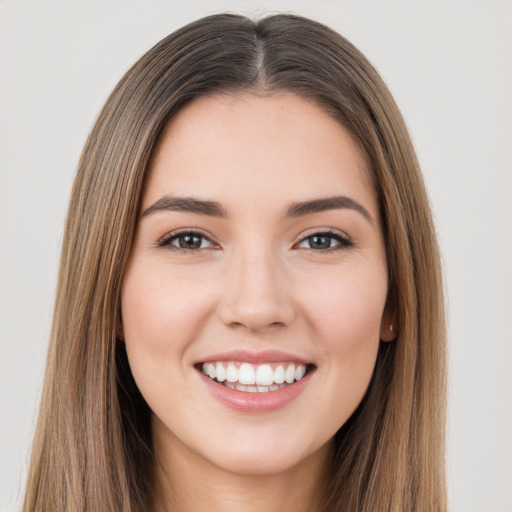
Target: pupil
(320, 242)
(190, 242)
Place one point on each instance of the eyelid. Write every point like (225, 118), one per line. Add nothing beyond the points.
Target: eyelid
(165, 241)
(343, 239)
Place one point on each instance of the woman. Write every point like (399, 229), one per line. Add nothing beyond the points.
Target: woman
(249, 309)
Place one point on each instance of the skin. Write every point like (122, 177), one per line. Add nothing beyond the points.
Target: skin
(254, 284)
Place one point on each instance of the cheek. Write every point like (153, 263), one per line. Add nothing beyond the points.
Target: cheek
(348, 309)
(346, 317)
(162, 315)
(160, 309)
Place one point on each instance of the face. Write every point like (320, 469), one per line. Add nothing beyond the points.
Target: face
(255, 296)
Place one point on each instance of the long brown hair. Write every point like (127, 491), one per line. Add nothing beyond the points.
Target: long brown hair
(92, 448)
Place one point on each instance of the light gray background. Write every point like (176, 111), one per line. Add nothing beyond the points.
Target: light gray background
(448, 64)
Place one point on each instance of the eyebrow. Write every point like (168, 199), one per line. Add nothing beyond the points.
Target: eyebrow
(215, 209)
(187, 204)
(327, 203)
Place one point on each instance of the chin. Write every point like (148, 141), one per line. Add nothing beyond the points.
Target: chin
(271, 457)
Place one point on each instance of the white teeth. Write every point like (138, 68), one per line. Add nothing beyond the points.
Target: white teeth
(220, 372)
(232, 373)
(290, 374)
(246, 374)
(279, 375)
(264, 375)
(211, 371)
(253, 389)
(252, 378)
(300, 372)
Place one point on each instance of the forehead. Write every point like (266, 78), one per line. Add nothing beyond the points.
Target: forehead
(245, 146)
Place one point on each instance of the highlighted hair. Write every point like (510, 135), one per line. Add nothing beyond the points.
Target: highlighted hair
(92, 449)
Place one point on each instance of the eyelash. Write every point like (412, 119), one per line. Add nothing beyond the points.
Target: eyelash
(167, 240)
(343, 241)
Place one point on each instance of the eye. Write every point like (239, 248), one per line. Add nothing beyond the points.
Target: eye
(186, 241)
(325, 241)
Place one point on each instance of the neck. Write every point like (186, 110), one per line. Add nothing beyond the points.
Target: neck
(188, 483)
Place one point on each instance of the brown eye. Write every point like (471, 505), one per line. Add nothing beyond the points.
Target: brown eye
(319, 241)
(324, 242)
(186, 241)
(189, 241)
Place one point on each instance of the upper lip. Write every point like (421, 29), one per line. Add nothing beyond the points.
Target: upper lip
(266, 356)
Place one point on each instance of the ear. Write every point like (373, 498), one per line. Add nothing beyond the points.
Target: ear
(388, 324)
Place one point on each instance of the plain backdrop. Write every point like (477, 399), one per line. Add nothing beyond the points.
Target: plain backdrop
(449, 65)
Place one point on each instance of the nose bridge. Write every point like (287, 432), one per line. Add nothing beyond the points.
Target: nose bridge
(257, 295)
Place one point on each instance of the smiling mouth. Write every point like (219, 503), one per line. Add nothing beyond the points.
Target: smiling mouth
(251, 378)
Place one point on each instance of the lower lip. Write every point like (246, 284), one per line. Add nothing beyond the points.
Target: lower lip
(244, 401)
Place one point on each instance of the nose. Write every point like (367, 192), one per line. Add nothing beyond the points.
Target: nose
(256, 294)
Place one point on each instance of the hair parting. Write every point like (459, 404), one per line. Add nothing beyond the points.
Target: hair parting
(92, 449)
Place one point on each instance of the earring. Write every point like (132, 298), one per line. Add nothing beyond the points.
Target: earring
(391, 327)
